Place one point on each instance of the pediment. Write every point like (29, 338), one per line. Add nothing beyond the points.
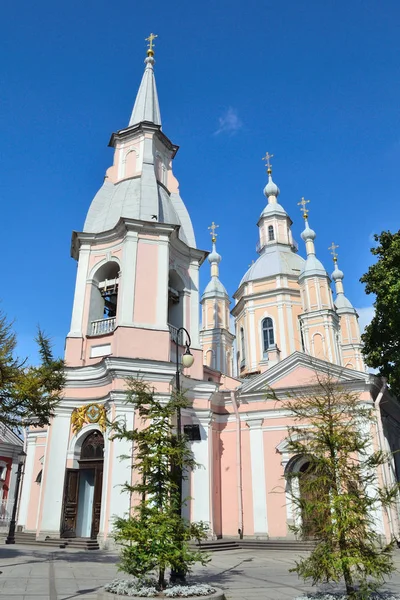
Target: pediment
(298, 370)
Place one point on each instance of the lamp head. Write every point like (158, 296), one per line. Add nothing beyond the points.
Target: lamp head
(21, 457)
(187, 358)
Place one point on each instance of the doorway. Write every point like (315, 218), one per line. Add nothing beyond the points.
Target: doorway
(82, 491)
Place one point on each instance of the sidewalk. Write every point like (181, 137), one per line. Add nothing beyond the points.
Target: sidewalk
(29, 573)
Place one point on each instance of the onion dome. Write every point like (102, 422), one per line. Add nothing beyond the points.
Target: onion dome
(214, 257)
(271, 189)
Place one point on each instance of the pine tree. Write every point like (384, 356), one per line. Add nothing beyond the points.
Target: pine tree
(337, 493)
(155, 536)
(28, 394)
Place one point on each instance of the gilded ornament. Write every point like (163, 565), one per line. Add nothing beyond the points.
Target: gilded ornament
(89, 413)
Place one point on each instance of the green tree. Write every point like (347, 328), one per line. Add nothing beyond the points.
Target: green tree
(382, 336)
(337, 493)
(155, 536)
(28, 394)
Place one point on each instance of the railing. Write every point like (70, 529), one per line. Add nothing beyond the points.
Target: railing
(173, 332)
(103, 326)
(6, 507)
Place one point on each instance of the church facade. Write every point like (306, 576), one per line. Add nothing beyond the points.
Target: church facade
(137, 284)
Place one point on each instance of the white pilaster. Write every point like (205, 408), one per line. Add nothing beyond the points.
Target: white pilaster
(80, 286)
(258, 477)
(194, 304)
(202, 477)
(27, 480)
(121, 469)
(128, 275)
(162, 279)
(55, 474)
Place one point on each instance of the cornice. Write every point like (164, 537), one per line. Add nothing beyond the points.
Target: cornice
(144, 127)
(116, 233)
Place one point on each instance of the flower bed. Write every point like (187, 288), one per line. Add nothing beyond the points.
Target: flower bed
(130, 588)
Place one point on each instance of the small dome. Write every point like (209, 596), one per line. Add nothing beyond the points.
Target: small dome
(341, 302)
(337, 274)
(271, 189)
(214, 257)
(308, 234)
(214, 288)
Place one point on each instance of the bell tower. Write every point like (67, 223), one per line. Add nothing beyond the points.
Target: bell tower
(137, 279)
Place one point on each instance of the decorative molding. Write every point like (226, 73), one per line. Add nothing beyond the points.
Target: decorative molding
(89, 413)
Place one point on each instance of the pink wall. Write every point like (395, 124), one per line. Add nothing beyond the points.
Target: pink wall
(146, 295)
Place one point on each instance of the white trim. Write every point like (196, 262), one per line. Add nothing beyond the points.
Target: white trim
(258, 477)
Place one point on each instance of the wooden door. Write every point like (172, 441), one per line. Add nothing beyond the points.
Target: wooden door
(98, 486)
(70, 506)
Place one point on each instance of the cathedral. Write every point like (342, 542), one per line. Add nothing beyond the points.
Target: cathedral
(136, 305)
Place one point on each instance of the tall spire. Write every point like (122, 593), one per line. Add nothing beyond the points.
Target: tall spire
(337, 275)
(308, 235)
(146, 106)
(271, 190)
(214, 258)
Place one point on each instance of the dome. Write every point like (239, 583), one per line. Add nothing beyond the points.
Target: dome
(128, 198)
(313, 266)
(214, 257)
(214, 288)
(342, 302)
(275, 260)
(337, 274)
(308, 234)
(271, 189)
(272, 210)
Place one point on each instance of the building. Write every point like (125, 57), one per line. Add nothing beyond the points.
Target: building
(137, 283)
(10, 448)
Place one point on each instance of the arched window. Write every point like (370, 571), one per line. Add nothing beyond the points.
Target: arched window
(242, 347)
(271, 235)
(93, 447)
(268, 333)
(104, 299)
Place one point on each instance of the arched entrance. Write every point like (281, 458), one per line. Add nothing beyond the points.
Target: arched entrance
(82, 492)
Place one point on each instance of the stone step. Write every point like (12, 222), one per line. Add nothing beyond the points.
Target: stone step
(255, 544)
(77, 543)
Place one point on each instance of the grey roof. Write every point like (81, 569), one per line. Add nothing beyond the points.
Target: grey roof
(341, 302)
(146, 106)
(133, 199)
(273, 209)
(276, 259)
(313, 266)
(214, 288)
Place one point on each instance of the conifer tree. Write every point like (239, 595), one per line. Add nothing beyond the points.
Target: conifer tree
(155, 536)
(28, 394)
(337, 495)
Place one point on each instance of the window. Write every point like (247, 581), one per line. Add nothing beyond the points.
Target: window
(93, 447)
(271, 235)
(243, 361)
(268, 334)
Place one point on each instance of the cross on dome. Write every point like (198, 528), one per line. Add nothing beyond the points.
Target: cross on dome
(303, 208)
(213, 227)
(150, 45)
(332, 248)
(267, 159)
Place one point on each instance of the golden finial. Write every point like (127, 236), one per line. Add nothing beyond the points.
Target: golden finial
(267, 158)
(303, 208)
(150, 45)
(213, 227)
(332, 248)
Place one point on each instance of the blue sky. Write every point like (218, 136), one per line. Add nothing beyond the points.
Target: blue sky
(315, 83)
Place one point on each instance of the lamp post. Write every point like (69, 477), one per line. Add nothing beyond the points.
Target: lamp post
(11, 532)
(187, 361)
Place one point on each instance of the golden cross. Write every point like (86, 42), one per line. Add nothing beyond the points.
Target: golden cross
(213, 227)
(303, 208)
(267, 158)
(332, 248)
(150, 39)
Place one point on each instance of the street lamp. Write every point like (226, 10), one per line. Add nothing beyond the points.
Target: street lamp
(187, 361)
(11, 532)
